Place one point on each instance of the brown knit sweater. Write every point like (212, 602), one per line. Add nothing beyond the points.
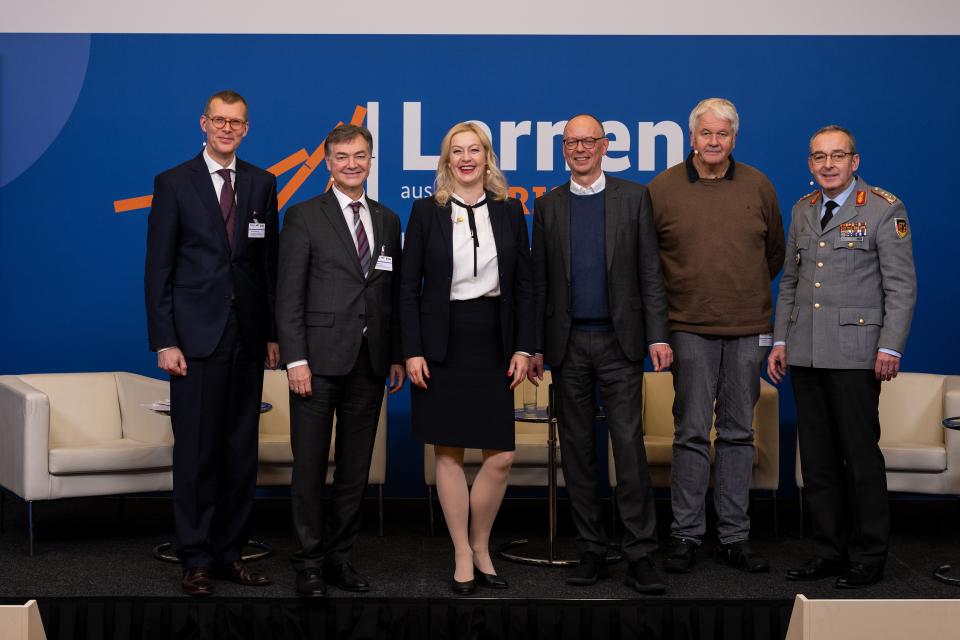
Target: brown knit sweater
(721, 244)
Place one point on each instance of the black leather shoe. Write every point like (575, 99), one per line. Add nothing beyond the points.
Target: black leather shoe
(860, 575)
(463, 588)
(489, 580)
(197, 582)
(816, 568)
(310, 584)
(591, 568)
(683, 555)
(241, 574)
(643, 576)
(740, 555)
(347, 578)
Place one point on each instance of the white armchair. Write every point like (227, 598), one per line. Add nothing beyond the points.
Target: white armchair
(82, 434)
(921, 456)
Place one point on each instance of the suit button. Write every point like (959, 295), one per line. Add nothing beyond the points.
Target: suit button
(822, 243)
(850, 245)
(816, 284)
(860, 321)
(820, 264)
(816, 305)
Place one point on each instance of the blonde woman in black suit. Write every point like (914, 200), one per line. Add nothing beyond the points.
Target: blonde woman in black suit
(467, 325)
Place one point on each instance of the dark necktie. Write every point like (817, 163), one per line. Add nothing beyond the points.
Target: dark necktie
(472, 221)
(228, 205)
(828, 214)
(363, 246)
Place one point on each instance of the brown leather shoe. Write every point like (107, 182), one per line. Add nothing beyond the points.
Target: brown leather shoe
(240, 573)
(197, 582)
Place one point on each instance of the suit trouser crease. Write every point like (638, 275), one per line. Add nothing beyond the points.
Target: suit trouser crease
(215, 411)
(355, 399)
(844, 475)
(595, 358)
(713, 375)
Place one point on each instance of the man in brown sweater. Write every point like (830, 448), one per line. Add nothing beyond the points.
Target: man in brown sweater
(721, 244)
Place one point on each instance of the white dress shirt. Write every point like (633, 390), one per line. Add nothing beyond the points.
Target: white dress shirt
(464, 285)
(579, 190)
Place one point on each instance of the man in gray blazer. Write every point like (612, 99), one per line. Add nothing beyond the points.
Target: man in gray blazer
(843, 315)
(600, 308)
(338, 322)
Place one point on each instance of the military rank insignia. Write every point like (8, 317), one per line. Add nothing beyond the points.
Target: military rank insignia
(861, 198)
(901, 227)
(855, 230)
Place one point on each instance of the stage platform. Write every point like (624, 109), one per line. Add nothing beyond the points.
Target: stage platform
(94, 577)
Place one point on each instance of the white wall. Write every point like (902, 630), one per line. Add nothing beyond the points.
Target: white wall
(587, 17)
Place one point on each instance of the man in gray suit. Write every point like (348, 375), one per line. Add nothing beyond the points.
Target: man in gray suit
(337, 318)
(843, 315)
(600, 308)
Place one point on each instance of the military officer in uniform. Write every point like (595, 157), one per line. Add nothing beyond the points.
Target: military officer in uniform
(843, 314)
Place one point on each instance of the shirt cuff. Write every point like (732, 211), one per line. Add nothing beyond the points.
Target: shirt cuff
(165, 349)
(296, 363)
(653, 343)
(779, 343)
(891, 352)
(523, 353)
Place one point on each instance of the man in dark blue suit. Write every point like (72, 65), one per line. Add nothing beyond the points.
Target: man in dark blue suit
(209, 284)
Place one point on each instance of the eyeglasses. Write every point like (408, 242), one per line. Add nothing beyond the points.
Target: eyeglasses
(588, 143)
(219, 122)
(837, 156)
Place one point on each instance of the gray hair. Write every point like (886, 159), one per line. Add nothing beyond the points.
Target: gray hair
(721, 107)
(830, 128)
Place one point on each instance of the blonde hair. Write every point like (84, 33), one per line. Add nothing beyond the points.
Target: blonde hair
(493, 180)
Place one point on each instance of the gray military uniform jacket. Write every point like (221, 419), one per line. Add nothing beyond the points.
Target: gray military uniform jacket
(849, 289)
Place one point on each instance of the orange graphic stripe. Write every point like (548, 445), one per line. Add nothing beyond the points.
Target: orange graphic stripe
(131, 204)
(288, 163)
(310, 163)
(359, 113)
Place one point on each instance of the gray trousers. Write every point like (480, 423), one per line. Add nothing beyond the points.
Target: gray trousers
(594, 358)
(713, 374)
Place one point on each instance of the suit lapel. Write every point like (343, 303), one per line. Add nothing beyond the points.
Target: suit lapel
(562, 213)
(331, 209)
(208, 196)
(612, 219)
(243, 188)
(446, 231)
(376, 216)
(498, 223)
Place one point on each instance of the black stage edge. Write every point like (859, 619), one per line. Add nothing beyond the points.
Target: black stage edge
(94, 577)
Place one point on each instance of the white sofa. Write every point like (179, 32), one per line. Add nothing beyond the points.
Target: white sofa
(82, 434)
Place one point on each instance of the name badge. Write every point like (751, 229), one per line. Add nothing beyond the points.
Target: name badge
(256, 230)
(384, 263)
(766, 339)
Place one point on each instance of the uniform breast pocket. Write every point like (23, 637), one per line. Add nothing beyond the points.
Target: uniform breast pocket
(859, 332)
(851, 251)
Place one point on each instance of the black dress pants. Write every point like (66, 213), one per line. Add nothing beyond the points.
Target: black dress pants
(844, 477)
(215, 412)
(327, 538)
(592, 358)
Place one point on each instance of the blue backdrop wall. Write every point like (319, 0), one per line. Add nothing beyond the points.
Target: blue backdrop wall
(86, 121)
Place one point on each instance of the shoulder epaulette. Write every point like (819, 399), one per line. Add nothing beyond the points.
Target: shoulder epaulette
(812, 196)
(886, 195)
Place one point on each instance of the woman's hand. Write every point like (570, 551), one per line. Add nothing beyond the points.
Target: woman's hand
(418, 372)
(519, 364)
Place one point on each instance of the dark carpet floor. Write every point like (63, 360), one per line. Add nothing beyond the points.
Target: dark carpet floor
(84, 548)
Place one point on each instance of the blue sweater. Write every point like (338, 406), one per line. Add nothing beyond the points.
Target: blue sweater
(588, 258)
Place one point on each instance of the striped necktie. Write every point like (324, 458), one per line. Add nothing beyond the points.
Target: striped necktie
(363, 246)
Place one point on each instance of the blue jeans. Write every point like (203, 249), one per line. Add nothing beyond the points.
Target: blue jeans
(721, 375)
